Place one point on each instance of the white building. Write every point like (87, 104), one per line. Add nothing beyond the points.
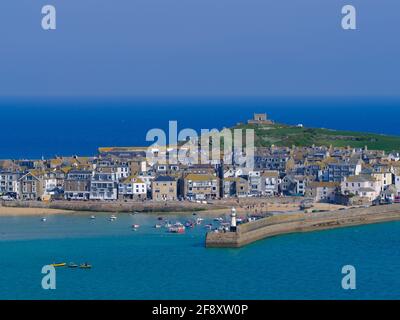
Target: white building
(271, 182)
(8, 182)
(104, 186)
(365, 186)
(132, 188)
(122, 171)
(397, 183)
(322, 191)
(384, 178)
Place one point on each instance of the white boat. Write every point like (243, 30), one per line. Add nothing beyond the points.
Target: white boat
(112, 218)
(43, 219)
(177, 229)
(219, 219)
(92, 217)
(157, 226)
(135, 226)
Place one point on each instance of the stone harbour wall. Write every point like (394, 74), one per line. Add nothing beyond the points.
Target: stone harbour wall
(277, 225)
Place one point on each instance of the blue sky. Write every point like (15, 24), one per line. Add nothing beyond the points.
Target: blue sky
(199, 48)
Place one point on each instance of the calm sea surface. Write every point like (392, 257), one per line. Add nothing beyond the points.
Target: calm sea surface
(152, 264)
(35, 127)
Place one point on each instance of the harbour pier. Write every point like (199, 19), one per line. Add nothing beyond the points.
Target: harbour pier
(250, 232)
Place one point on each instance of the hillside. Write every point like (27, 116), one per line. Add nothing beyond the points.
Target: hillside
(286, 135)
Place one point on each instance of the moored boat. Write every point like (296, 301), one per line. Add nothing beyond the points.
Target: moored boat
(59, 264)
(199, 220)
(85, 266)
(177, 229)
(72, 265)
(189, 224)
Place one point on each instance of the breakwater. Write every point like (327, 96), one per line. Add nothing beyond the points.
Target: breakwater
(301, 222)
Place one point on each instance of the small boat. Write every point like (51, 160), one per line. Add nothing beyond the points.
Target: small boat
(218, 219)
(160, 218)
(199, 220)
(208, 226)
(135, 226)
(72, 265)
(112, 218)
(168, 225)
(43, 219)
(194, 213)
(92, 217)
(85, 266)
(59, 264)
(189, 224)
(157, 226)
(177, 229)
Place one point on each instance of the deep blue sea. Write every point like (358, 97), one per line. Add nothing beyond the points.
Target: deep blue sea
(36, 127)
(152, 264)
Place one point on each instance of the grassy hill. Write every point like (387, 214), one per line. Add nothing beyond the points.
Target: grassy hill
(286, 135)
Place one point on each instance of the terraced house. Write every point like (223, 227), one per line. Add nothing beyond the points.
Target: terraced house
(77, 185)
(271, 182)
(104, 186)
(235, 187)
(322, 191)
(363, 186)
(8, 182)
(336, 171)
(164, 188)
(31, 186)
(201, 187)
(132, 187)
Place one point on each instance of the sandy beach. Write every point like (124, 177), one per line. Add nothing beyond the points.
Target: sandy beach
(9, 211)
(255, 206)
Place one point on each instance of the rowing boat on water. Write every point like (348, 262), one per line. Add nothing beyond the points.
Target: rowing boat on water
(60, 264)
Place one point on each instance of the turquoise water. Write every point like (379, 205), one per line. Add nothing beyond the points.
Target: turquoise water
(152, 264)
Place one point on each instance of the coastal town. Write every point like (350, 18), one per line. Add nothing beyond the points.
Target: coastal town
(320, 174)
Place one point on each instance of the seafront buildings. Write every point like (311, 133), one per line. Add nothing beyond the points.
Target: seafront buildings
(341, 175)
(333, 177)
